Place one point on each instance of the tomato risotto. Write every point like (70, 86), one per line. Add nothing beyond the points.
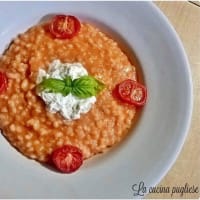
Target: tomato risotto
(26, 121)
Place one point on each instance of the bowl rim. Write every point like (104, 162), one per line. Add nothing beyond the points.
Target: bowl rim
(186, 127)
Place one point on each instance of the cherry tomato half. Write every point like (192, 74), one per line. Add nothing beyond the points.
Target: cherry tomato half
(131, 92)
(3, 82)
(64, 26)
(67, 159)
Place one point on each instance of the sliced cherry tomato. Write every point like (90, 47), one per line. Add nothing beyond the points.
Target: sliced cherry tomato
(67, 159)
(131, 92)
(3, 82)
(64, 26)
(115, 92)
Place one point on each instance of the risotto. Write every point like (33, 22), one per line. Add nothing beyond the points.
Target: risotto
(24, 118)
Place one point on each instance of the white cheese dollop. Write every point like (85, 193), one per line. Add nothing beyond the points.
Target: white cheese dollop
(70, 107)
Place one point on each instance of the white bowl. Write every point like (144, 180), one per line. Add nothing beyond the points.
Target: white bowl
(154, 144)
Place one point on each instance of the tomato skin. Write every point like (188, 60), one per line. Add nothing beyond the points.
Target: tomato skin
(64, 26)
(115, 92)
(3, 82)
(131, 92)
(67, 159)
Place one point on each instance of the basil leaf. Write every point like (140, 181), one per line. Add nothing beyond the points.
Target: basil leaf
(68, 81)
(83, 87)
(86, 86)
(66, 91)
(68, 85)
(52, 85)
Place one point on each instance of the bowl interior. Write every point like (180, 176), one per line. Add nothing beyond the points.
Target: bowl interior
(149, 151)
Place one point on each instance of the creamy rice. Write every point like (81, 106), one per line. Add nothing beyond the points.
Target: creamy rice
(28, 125)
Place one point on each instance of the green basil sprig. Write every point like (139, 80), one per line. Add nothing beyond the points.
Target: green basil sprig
(83, 87)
